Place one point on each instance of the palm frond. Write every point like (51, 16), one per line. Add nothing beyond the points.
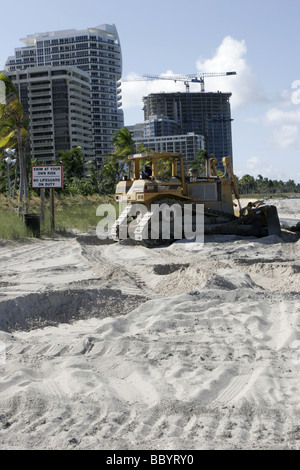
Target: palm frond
(9, 140)
(9, 86)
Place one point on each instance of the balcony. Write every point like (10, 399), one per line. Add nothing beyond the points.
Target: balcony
(43, 143)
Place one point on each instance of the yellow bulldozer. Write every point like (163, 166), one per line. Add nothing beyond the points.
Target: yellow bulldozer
(158, 181)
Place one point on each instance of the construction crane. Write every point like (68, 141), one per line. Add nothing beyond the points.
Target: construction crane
(197, 77)
(187, 79)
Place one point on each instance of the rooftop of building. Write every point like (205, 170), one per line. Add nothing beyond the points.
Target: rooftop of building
(106, 29)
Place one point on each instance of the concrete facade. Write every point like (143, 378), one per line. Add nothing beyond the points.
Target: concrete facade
(96, 51)
(188, 144)
(57, 102)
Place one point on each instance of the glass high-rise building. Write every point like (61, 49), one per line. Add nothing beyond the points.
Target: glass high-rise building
(96, 51)
(206, 114)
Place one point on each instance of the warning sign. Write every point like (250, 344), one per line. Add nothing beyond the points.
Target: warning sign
(50, 176)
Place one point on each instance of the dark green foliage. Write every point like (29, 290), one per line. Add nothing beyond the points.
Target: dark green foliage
(81, 186)
(260, 185)
(199, 162)
(73, 163)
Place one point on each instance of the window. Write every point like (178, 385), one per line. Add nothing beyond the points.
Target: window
(81, 38)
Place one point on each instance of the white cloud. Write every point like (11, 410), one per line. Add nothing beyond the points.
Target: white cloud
(286, 133)
(287, 136)
(279, 116)
(134, 89)
(256, 165)
(253, 163)
(296, 94)
(230, 56)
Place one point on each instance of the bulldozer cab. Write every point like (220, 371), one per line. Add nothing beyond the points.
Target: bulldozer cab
(158, 166)
(155, 176)
(152, 174)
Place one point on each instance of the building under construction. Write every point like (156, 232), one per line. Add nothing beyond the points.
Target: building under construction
(206, 114)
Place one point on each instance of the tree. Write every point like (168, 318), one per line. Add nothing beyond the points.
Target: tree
(290, 186)
(260, 183)
(73, 163)
(123, 143)
(248, 182)
(124, 146)
(116, 164)
(3, 176)
(14, 133)
(199, 163)
(108, 177)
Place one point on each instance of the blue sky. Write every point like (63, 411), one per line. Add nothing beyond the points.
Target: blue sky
(257, 39)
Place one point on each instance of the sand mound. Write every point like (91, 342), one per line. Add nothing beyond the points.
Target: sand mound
(65, 306)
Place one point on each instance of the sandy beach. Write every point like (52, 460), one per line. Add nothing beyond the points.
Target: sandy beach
(116, 346)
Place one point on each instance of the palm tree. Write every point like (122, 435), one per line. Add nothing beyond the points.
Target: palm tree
(249, 182)
(13, 132)
(199, 162)
(116, 163)
(124, 146)
(123, 143)
(107, 177)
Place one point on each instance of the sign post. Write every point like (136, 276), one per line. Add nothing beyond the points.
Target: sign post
(47, 177)
(42, 193)
(52, 210)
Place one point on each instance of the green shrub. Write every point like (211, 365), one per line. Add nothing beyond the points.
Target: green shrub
(79, 186)
(71, 212)
(12, 227)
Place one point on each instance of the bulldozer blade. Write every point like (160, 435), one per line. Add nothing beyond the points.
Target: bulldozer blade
(235, 228)
(272, 221)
